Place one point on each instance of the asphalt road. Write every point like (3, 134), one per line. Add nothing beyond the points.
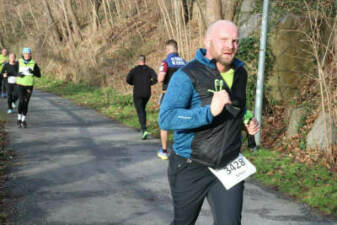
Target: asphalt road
(75, 166)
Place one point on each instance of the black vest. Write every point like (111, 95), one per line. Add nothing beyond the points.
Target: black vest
(218, 143)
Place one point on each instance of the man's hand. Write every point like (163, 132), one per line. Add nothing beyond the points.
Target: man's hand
(5, 75)
(21, 74)
(30, 70)
(252, 127)
(219, 100)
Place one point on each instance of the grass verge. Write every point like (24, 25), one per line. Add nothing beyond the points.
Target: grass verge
(315, 186)
(5, 158)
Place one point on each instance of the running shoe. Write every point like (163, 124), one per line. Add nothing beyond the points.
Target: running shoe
(18, 123)
(162, 155)
(10, 111)
(145, 134)
(13, 105)
(24, 124)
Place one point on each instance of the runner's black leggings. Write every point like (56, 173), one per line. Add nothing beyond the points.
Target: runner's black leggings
(24, 93)
(140, 104)
(191, 183)
(11, 94)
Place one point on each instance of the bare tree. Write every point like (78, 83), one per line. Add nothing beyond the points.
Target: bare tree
(1, 42)
(213, 11)
(322, 49)
(95, 7)
(74, 23)
(188, 9)
(68, 30)
(229, 8)
(51, 21)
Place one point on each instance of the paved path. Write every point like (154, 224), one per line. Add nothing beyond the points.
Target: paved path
(75, 166)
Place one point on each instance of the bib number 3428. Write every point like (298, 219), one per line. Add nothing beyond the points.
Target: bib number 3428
(237, 164)
(236, 171)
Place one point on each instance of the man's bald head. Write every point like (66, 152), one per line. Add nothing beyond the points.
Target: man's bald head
(221, 41)
(218, 25)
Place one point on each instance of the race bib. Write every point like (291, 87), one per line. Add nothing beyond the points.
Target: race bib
(235, 172)
(25, 71)
(11, 80)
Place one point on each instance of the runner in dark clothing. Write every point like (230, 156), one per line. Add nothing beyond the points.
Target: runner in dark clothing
(10, 72)
(142, 77)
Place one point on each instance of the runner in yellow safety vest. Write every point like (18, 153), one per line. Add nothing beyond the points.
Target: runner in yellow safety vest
(28, 70)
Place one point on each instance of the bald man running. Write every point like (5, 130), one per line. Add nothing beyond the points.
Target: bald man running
(205, 106)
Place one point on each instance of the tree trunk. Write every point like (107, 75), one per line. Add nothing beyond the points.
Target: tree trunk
(188, 9)
(51, 21)
(213, 11)
(95, 7)
(67, 23)
(229, 9)
(335, 43)
(2, 45)
(33, 16)
(73, 20)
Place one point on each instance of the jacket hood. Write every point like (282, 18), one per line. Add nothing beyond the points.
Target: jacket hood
(200, 56)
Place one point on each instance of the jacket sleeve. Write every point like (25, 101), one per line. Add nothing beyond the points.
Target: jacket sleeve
(175, 112)
(153, 77)
(36, 71)
(129, 78)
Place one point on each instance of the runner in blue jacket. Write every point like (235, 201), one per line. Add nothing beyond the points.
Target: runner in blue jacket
(205, 105)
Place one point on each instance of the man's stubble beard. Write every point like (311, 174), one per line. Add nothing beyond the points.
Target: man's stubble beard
(219, 58)
(224, 62)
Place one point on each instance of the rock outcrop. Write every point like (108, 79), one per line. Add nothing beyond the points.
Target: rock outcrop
(291, 63)
(294, 122)
(317, 137)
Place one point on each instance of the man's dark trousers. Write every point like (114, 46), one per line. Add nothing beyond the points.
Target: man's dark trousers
(140, 104)
(191, 183)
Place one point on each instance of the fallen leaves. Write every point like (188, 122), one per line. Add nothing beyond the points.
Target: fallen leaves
(273, 137)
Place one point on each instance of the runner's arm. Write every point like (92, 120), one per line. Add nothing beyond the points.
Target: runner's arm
(161, 77)
(36, 71)
(175, 112)
(153, 77)
(129, 78)
(16, 69)
(162, 72)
